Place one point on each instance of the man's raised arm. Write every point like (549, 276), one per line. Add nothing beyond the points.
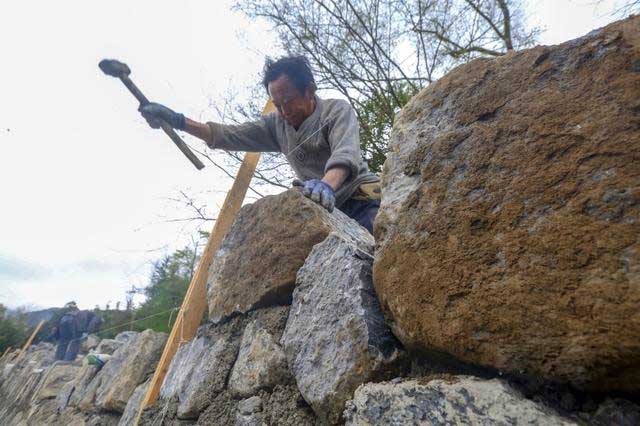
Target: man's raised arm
(251, 136)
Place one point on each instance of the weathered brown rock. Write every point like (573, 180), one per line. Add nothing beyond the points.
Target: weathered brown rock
(257, 262)
(509, 229)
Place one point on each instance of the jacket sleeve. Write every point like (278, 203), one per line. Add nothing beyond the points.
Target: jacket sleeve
(255, 136)
(344, 140)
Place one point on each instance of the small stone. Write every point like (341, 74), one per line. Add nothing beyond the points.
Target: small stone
(261, 363)
(109, 346)
(250, 405)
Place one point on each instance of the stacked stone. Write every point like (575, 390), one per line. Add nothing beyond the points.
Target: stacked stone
(37, 390)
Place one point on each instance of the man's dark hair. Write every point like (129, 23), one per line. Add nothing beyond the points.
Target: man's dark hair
(297, 68)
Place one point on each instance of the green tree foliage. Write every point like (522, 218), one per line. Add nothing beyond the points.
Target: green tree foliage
(13, 330)
(375, 127)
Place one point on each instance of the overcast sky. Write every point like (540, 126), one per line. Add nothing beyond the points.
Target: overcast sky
(85, 183)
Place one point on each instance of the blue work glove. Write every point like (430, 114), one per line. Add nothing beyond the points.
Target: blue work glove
(153, 113)
(318, 191)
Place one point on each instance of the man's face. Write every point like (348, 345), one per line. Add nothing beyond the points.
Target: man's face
(292, 105)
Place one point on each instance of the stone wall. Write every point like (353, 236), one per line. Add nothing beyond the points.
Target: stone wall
(503, 286)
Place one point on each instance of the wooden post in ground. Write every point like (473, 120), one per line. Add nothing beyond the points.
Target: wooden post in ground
(33, 335)
(195, 300)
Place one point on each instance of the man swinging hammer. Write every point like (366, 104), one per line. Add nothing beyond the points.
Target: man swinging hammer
(319, 137)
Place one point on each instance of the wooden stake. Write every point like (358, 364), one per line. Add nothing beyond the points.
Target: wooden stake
(195, 300)
(6, 351)
(33, 335)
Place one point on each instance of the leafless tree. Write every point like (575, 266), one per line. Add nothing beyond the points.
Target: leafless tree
(626, 7)
(378, 53)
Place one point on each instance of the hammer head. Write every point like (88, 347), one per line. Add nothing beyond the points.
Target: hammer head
(114, 68)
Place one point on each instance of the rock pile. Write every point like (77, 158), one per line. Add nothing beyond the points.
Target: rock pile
(503, 287)
(63, 393)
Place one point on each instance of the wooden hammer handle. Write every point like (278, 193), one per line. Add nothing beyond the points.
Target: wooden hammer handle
(165, 126)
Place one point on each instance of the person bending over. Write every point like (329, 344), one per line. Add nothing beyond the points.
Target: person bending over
(319, 137)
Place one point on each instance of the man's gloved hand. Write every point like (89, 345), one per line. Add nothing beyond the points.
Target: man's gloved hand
(319, 191)
(153, 113)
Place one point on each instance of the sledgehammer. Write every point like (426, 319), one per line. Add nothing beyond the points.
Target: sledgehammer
(120, 70)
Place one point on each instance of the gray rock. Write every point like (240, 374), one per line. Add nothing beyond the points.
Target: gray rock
(89, 343)
(84, 389)
(335, 338)
(249, 412)
(109, 346)
(126, 336)
(261, 363)
(133, 405)
(619, 412)
(63, 397)
(198, 369)
(128, 367)
(458, 400)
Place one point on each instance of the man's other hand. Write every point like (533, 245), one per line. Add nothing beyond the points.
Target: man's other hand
(319, 191)
(154, 113)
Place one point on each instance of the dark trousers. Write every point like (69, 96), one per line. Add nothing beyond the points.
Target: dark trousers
(362, 211)
(69, 345)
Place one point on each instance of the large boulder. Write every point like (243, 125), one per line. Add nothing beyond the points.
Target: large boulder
(257, 262)
(508, 231)
(460, 400)
(335, 338)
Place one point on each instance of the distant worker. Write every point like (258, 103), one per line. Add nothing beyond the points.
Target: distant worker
(72, 328)
(319, 137)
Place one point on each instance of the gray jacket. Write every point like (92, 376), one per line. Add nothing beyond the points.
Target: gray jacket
(329, 137)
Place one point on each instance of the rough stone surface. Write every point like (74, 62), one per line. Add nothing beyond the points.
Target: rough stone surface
(336, 339)
(508, 231)
(126, 336)
(84, 389)
(257, 262)
(617, 412)
(200, 368)
(59, 374)
(109, 346)
(21, 378)
(460, 400)
(261, 363)
(133, 405)
(89, 343)
(249, 412)
(128, 367)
